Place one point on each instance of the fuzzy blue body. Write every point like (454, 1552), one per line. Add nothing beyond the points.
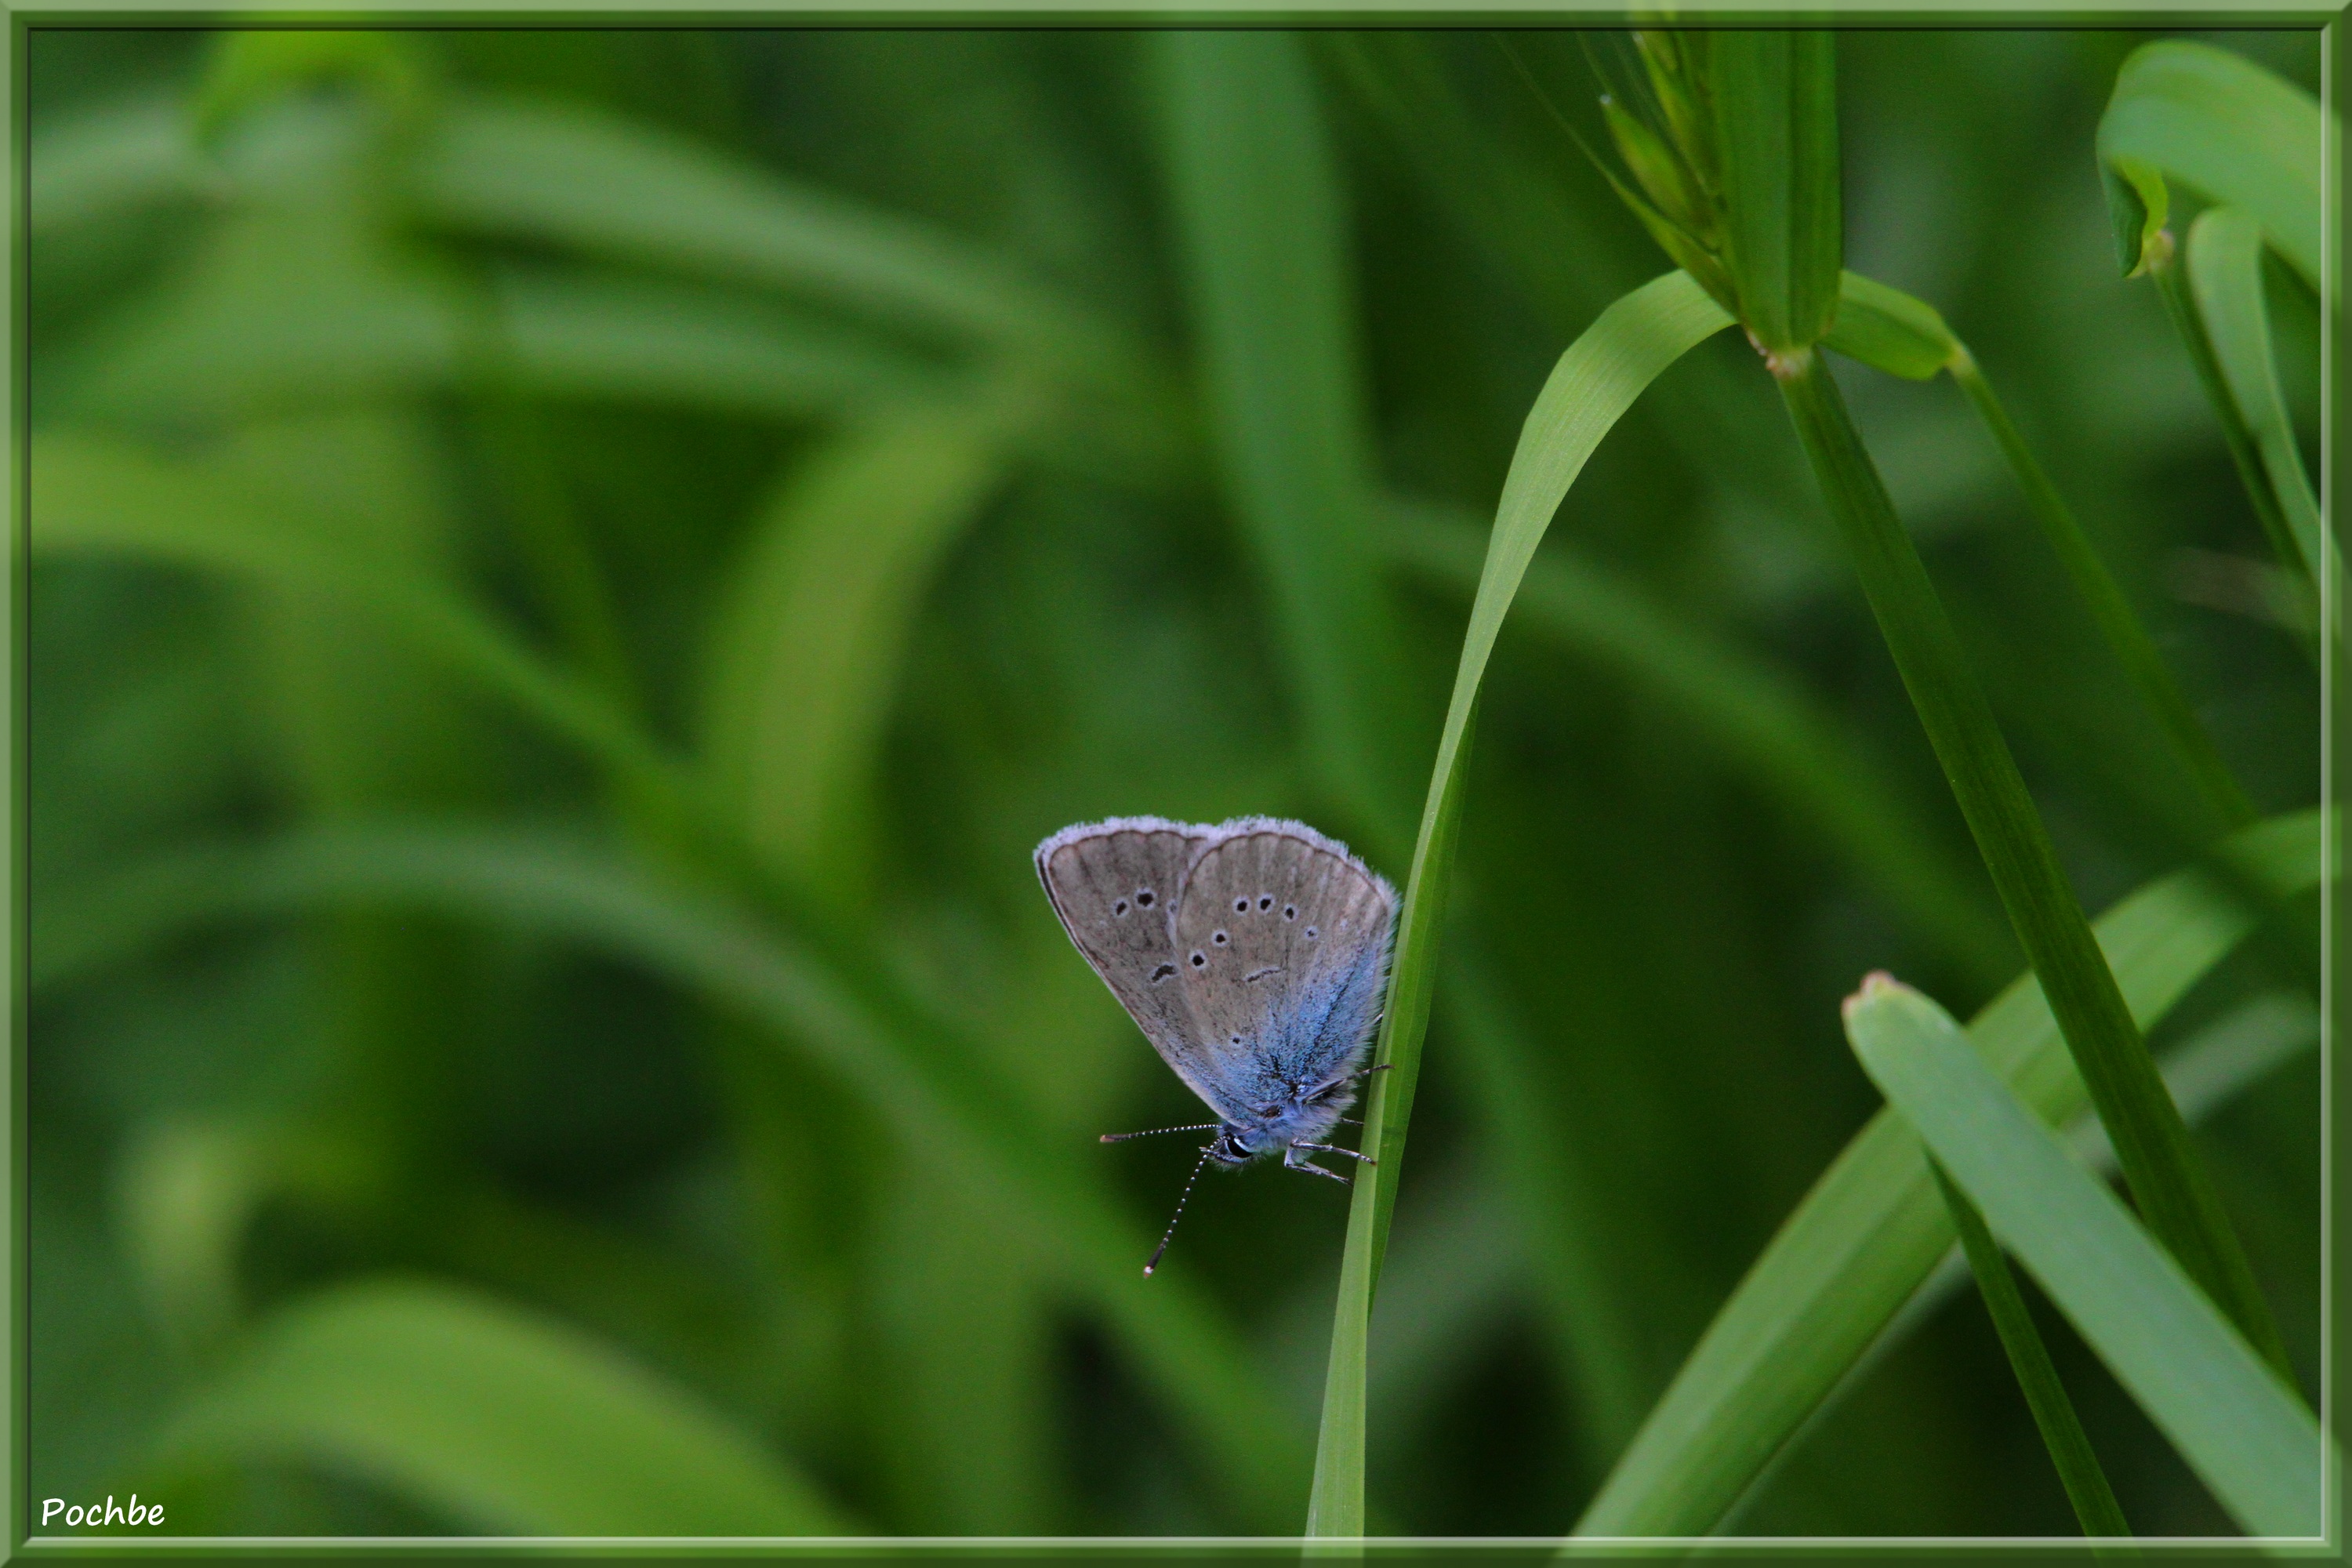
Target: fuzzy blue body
(1293, 1084)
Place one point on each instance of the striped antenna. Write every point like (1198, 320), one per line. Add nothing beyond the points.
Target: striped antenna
(1161, 1250)
(1156, 1131)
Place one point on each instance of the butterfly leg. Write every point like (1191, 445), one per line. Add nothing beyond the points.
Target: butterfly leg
(1334, 1149)
(1324, 1090)
(1291, 1161)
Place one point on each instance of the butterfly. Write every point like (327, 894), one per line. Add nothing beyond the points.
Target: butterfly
(1253, 956)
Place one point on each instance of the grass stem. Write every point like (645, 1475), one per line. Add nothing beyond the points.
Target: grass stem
(2166, 1178)
(2061, 1431)
(2104, 599)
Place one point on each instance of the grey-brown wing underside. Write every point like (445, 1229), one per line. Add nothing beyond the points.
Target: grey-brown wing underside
(1115, 886)
(1291, 932)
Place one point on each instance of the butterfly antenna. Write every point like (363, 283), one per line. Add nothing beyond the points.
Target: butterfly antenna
(1161, 1250)
(1156, 1131)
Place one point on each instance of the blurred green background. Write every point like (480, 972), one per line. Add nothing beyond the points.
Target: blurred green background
(570, 569)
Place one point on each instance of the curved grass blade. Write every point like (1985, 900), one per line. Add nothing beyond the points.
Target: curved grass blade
(2228, 1412)
(1628, 347)
(578, 177)
(2225, 279)
(1890, 331)
(2220, 123)
(615, 339)
(1257, 187)
(287, 305)
(2165, 270)
(919, 1077)
(2053, 1413)
(91, 494)
(2163, 1170)
(184, 1192)
(814, 620)
(571, 336)
(1771, 724)
(1872, 1228)
(491, 1415)
(114, 160)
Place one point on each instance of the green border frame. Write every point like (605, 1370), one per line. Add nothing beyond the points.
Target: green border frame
(2336, 1008)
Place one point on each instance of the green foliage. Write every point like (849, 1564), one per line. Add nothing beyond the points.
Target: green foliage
(1735, 144)
(2061, 1430)
(1589, 389)
(513, 1425)
(2225, 279)
(1774, 96)
(2252, 144)
(569, 569)
(1256, 194)
(2219, 122)
(2165, 1173)
(2249, 1437)
(1892, 331)
(1849, 1255)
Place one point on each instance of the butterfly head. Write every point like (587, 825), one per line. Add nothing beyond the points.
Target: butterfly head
(1235, 1145)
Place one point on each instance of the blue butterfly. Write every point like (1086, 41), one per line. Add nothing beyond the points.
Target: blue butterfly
(1252, 955)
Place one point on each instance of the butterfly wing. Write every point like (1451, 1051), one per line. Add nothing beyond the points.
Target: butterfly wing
(1116, 886)
(1282, 941)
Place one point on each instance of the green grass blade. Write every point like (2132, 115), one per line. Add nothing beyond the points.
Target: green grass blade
(614, 339)
(1872, 1228)
(283, 310)
(814, 624)
(2170, 277)
(1892, 331)
(579, 177)
(1256, 189)
(2250, 1440)
(1767, 723)
(117, 159)
(491, 1415)
(2225, 279)
(1889, 330)
(1775, 103)
(268, 348)
(2053, 1413)
(1589, 389)
(2126, 639)
(919, 1077)
(92, 495)
(2205, 1072)
(2166, 1176)
(2229, 128)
